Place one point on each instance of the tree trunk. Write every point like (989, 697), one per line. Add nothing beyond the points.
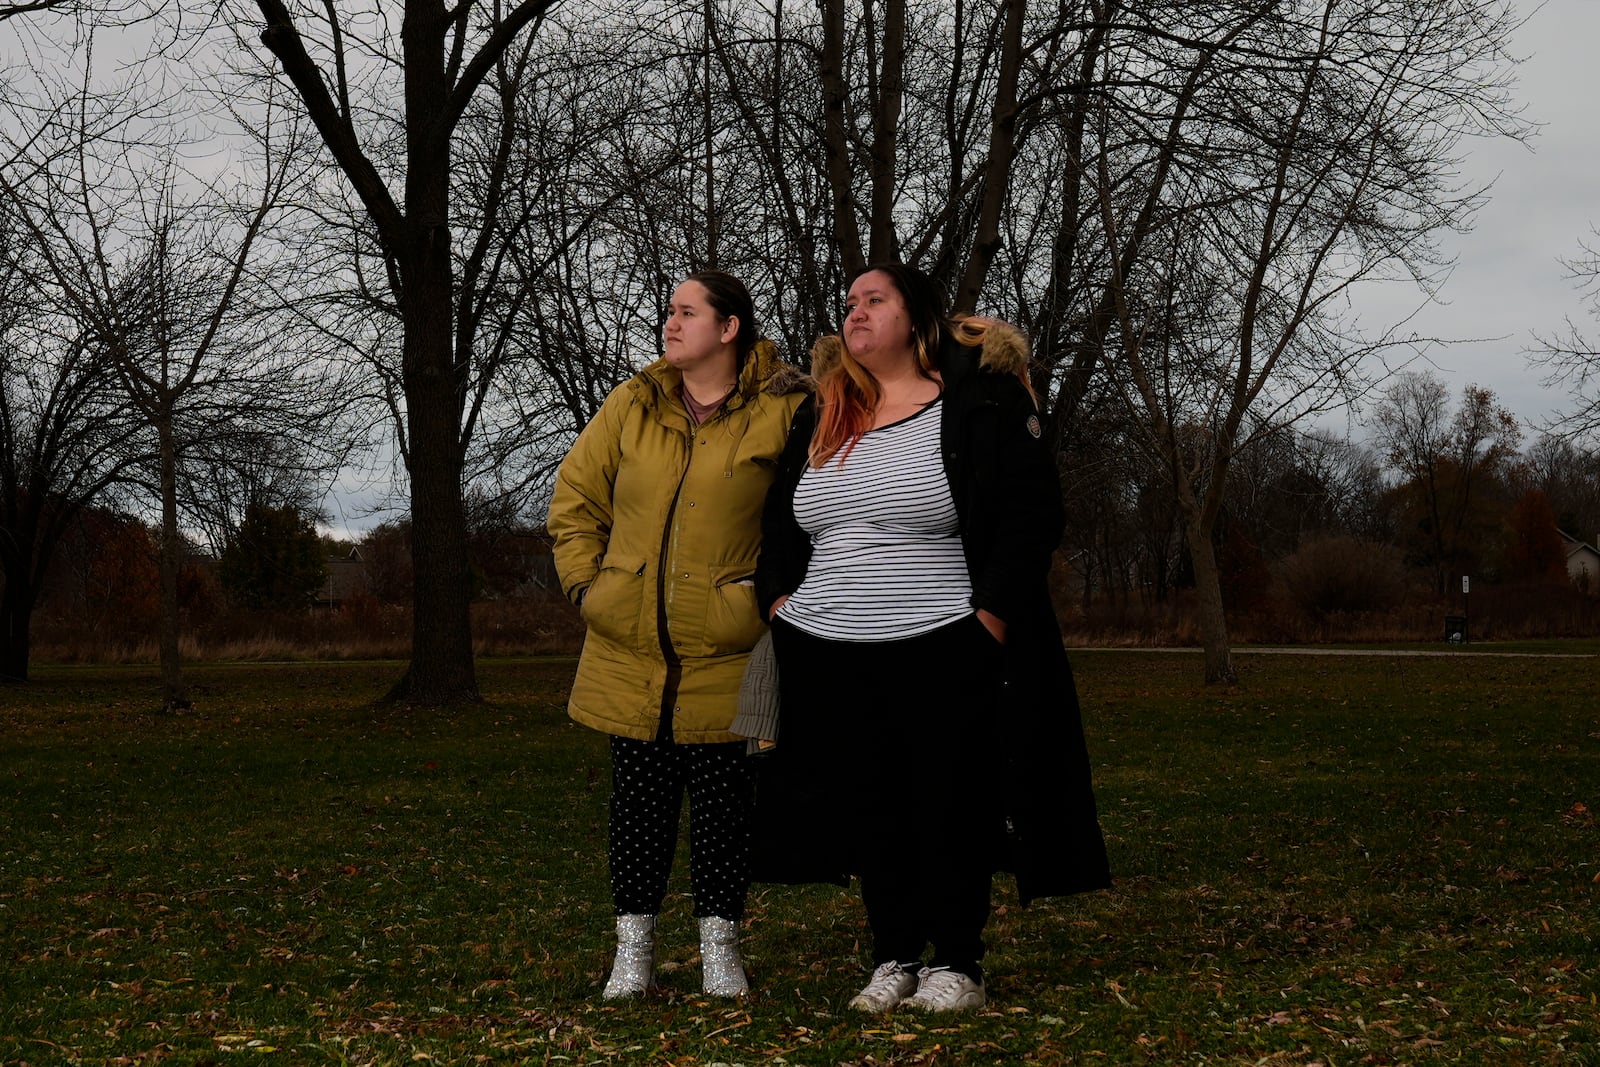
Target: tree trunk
(883, 242)
(835, 142)
(16, 611)
(1208, 598)
(174, 694)
(441, 670)
(997, 169)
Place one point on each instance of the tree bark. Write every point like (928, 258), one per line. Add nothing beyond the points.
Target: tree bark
(997, 168)
(835, 141)
(174, 693)
(433, 376)
(16, 611)
(441, 669)
(1208, 600)
(883, 243)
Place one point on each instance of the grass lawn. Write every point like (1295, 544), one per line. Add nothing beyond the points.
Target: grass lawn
(1346, 860)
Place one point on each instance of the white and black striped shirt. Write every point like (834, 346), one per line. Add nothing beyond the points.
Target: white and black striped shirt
(886, 559)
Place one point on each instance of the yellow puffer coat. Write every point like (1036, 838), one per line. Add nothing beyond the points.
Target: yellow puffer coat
(649, 511)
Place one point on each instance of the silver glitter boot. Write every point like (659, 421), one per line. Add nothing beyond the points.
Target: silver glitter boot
(633, 972)
(720, 964)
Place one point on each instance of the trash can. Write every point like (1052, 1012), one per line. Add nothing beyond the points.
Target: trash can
(1455, 629)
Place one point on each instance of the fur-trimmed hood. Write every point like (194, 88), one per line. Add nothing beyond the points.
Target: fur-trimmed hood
(1005, 349)
(763, 371)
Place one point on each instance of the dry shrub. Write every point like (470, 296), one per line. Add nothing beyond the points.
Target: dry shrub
(1131, 622)
(1337, 590)
(363, 627)
(539, 624)
(1418, 618)
(1343, 576)
(1514, 610)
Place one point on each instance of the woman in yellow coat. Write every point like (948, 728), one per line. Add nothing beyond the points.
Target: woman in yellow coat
(656, 518)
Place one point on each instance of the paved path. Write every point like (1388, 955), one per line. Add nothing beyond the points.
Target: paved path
(1323, 650)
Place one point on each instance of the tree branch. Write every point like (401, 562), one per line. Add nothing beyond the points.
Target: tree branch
(23, 7)
(484, 61)
(282, 38)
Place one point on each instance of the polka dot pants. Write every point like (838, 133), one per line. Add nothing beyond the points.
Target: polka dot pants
(648, 779)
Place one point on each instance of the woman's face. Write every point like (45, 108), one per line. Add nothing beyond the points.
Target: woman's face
(694, 334)
(876, 322)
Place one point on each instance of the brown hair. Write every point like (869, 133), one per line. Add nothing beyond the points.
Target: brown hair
(730, 299)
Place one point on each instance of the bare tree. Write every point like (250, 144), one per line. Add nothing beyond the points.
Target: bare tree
(879, 131)
(1449, 463)
(1123, 526)
(1302, 149)
(200, 367)
(67, 434)
(567, 235)
(440, 59)
(561, 292)
(1350, 477)
(763, 74)
(254, 464)
(924, 113)
(101, 13)
(1572, 358)
(1178, 197)
(1569, 475)
(156, 268)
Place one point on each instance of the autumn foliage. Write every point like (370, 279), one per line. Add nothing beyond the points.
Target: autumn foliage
(102, 603)
(1533, 548)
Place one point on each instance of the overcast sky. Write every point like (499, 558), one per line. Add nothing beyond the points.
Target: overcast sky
(1509, 282)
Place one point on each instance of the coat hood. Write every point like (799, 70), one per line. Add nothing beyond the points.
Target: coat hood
(1004, 349)
(764, 371)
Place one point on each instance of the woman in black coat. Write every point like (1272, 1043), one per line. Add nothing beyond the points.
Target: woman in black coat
(930, 730)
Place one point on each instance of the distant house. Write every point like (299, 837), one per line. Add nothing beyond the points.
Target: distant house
(1583, 563)
(347, 577)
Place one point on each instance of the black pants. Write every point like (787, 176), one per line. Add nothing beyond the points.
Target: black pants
(648, 780)
(900, 733)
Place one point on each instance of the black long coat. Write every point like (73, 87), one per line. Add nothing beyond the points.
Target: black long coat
(1008, 500)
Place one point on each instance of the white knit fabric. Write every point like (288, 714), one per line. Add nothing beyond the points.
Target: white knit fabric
(886, 558)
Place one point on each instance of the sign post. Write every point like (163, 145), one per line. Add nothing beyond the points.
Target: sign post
(1466, 610)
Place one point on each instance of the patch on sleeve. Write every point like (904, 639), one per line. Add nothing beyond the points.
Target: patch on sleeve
(1033, 426)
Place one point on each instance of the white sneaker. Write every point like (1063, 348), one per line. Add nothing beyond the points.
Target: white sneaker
(941, 989)
(891, 983)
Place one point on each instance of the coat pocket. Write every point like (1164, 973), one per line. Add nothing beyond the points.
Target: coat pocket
(614, 601)
(733, 622)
